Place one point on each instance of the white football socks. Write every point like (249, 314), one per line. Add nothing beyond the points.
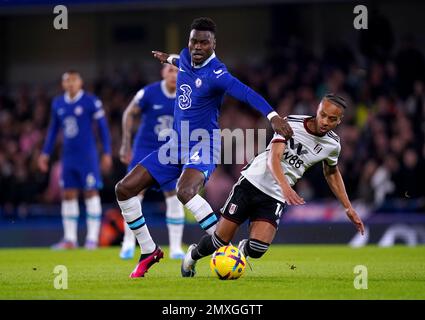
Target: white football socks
(129, 240)
(94, 218)
(70, 212)
(132, 212)
(203, 213)
(175, 223)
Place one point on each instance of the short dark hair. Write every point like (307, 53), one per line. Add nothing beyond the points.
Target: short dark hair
(336, 100)
(204, 24)
(71, 71)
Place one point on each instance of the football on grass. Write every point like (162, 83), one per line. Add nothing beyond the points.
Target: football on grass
(227, 263)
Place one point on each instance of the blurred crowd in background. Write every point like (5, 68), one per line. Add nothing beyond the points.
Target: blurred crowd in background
(382, 134)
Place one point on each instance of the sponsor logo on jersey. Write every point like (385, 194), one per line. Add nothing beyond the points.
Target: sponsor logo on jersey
(70, 127)
(157, 106)
(298, 146)
(185, 101)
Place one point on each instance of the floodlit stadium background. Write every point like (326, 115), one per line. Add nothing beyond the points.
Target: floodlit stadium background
(291, 53)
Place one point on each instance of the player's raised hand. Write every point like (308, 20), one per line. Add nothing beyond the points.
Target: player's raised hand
(281, 126)
(125, 154)
(354, 218)
(43, 162)
(161, 56)
(106, 163)
(292, 198)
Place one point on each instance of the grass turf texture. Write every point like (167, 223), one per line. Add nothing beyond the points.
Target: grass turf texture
(285, 272)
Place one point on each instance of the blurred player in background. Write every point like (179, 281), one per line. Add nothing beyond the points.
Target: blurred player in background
(75, 112)
(155, 103)
(202, 82)
(265, 184)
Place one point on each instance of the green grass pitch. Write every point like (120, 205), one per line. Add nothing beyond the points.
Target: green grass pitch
(285, 272)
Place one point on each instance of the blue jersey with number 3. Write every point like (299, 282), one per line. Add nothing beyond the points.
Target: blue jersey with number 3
(199, 95)
(200, 92)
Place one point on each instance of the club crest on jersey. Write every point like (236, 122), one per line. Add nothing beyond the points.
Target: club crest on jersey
(198, 83)
(232, 209)
(78, 110)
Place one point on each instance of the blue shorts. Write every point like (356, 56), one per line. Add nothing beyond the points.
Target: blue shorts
(82, 178)
(166, 173)
(140, 155)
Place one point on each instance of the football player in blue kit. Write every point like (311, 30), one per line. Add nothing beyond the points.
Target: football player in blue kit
(155, 105)
(202, 82)
(75, 112)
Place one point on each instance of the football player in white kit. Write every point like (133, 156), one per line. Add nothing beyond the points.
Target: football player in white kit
(265, 184)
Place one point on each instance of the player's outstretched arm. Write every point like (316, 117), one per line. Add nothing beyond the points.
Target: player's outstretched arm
(242, 92)
(280, 126)
(274, 165)
(336, 183)
(165, 58)
(127, 126)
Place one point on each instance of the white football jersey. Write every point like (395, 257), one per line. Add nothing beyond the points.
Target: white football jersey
(302, 151)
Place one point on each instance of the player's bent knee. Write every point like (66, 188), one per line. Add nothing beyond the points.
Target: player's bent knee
(122, 192)
(184, 194)
(256, 248)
